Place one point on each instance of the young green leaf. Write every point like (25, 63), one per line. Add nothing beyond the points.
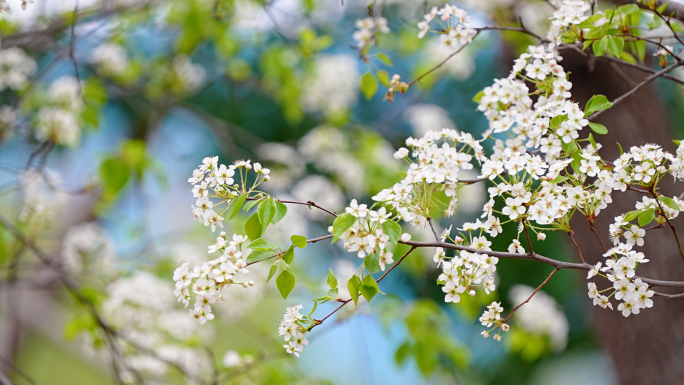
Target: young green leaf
(253, 227)
(600, 46)
(393, 231)
(272, 271)
(299, 241)
(478, 97)
(630, 216)
(615, 45)
(385, 59)
(372, 263)
(342, 223)
(669, 202)
(384, 78)
(369, 86)
(261, 244)
(596, 103)
(266, 211)
(598, 128)
(288, 257)
(369, 288)
(280, 212)
(332, 280)
(285, 283)
(235, 206)
(646, 217)
(250, 205)
(354, 285)
(259, 255)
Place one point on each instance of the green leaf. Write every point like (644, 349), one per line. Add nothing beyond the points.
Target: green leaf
(646, 217)
(384, 78)
(372, 263)
(676, 26)
(393, 231)
(114, 177)
(280, 212)
(251, 204)
(369, 288)
(354, 285)
(592, 141)
(669, 202)
(615, 45)
(478, 97)
(253, 227)
(640, 49)
(258, 255)
(598, 128)
(629, 8)
(299, 241)
(285, 283)
(342, 223)
(369, 86)
(274, 267)
(288, 268)
(661, 8)
(288, 257)
(600, 46)
(385, 59)
(260, 244)
(630, 216)
(235, 205)
(332, 280)
(596, 103)
(628, 57)
(266, 211)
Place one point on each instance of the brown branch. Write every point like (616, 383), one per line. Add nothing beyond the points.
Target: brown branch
(579, 252)
(531, 295)
(435, 68)
(345, 302)
(674, 231)
(637, 88)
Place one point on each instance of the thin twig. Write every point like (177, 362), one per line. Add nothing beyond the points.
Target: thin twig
(637, 88)
(531, 295)
(674, 231)
(579, 252)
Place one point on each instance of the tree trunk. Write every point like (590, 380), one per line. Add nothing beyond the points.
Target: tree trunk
(646, 348)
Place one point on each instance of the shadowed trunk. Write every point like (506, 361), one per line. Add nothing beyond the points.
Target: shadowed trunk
(646, 348)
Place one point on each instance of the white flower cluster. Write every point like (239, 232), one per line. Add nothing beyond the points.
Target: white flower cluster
(365, 36)
(15, 67)
(620, 269)
(59, 119)
(507, 105)
(466, 270)
(366, 236)
(211, 180)
(88, 248)
(454, 25)
(333, 87)
(292, 331)
(492, 317)
(153, 326)
(541, 315)
(110, 59)
(43, 196)
(5, 7)
(207, 281)
(187, 76)
(8, 121)
(436, 164)
(569, 12)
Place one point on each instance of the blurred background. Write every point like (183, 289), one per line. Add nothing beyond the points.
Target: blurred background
(107, 107)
